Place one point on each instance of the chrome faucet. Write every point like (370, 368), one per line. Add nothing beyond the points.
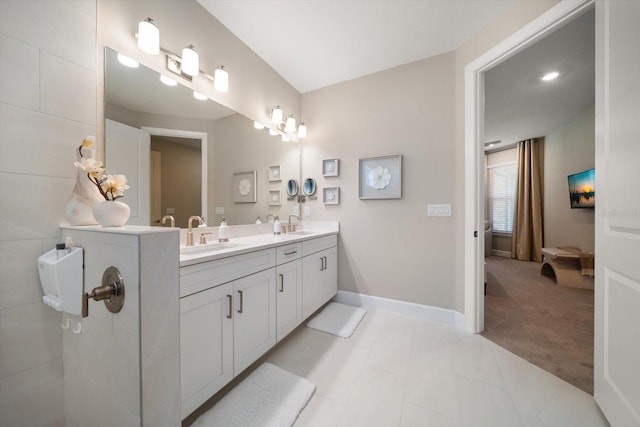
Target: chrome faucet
(292, 227)
(171, 219)
(190, 231)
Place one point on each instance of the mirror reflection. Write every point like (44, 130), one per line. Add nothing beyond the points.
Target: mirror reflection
(180, 154)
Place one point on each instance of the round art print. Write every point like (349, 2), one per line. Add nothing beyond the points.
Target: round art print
(378, 177)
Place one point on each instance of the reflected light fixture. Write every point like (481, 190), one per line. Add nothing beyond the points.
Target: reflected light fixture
(285, 138)
(167, 80)
(290, 124)
(200, 96)
(221, 79)
(258, 125)
(190, 61)
(148, 37)
(273, 132)
(550, 76)
(276, 115)
(302, 130)
(127, 62)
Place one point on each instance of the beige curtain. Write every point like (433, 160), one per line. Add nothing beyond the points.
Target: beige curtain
(526, 241)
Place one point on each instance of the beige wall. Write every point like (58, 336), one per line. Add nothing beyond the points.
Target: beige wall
(568, 149)
(183, 195)
(389, 248)
(47, 105)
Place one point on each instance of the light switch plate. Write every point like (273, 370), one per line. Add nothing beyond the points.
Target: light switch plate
(170, 211)
(307, 210)
(439, 210)
(219, 210)
(296, 211)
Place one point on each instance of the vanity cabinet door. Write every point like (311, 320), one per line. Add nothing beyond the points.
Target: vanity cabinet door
(319, 279)
(206, 345)
(254, 318)
(328, 286)
(288, 297)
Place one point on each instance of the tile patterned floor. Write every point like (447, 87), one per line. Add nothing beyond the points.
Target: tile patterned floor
(404, 372)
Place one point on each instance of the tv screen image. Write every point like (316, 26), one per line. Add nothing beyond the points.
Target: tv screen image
(582, 191)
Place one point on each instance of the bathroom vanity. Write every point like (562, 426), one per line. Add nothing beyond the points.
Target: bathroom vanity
(238, 300)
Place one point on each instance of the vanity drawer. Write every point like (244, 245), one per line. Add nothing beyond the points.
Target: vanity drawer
(288, 253)
(198, 277)
(312, 246)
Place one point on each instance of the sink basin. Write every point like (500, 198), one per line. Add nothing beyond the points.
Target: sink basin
(302, 232)
(208, 248)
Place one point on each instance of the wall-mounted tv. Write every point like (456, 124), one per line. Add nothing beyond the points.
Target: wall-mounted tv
(582, 191)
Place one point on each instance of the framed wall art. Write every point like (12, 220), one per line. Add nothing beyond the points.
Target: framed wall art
(275, 198)
(330, 167)
(380, 177)
(244, 187)
(331, 195)
(275, 173)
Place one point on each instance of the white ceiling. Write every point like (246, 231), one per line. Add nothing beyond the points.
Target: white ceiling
(317, 43)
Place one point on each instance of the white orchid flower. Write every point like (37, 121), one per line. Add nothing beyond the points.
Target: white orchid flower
(92, 167)
(115, 185)
(88, 141)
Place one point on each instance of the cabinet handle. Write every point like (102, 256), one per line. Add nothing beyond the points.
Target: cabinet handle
(281, 282)
(325, 262)
(229, 316)
(321, 263)
(291, 253)
(240, 309)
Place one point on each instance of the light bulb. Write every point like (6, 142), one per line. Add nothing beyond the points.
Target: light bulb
(190, 61)
(167, 80)
(302, 130)
(148, 37)
(200, 96)
(276, 115)
(290, 125)
(221, 80)
(127, 62)
(258, 125)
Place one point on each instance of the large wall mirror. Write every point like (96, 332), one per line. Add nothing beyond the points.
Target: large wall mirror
(184, 156)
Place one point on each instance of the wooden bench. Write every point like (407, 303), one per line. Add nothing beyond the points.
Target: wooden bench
(565, 267)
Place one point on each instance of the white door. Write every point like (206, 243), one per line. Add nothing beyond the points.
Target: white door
(617, 255)
(127, 153)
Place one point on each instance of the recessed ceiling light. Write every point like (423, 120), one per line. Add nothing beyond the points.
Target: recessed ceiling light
(491, 144)
(550, 76)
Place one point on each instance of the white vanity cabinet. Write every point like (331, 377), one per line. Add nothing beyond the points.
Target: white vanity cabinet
(289, 289)
(319, 273)
(224, 327)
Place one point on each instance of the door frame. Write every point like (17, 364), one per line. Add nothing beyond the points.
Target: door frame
(474, 190)
(204, 156)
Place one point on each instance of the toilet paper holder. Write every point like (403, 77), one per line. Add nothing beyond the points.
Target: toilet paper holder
(111, 292)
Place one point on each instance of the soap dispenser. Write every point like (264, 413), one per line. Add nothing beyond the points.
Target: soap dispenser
(223, 231)
(276, 226)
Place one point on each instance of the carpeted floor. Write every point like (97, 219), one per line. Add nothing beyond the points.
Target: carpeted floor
(548, 325)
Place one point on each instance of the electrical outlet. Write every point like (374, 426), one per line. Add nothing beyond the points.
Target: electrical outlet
(307, 210)
(439, 210)
(296, 210)
(219, 210)
(170, 211)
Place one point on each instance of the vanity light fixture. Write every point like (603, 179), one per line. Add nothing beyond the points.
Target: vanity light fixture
(200, 96)
(190, 61)
(302, 130)
(167, 80)
(273, 132)
(148, 37)
(258, 125)
(276, 115)
(127, 62)
(550, 76)
(290, 124)
(221, 79)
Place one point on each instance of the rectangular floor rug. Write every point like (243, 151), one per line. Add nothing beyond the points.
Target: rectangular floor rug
(338, 319)
(268, 397)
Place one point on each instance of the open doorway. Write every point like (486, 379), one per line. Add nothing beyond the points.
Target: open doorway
(535, 316)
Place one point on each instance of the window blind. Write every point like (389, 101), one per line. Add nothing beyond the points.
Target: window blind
(501, 189)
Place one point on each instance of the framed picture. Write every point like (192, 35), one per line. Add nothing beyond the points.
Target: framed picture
(275, 173)
(330, 167)
(331, 195)
(244, 187)
(274, 198)
(380, 177)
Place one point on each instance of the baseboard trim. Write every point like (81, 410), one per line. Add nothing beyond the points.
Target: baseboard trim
(419, 311)
(505, 254)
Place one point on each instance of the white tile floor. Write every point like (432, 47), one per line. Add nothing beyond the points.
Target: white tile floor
(400, 371)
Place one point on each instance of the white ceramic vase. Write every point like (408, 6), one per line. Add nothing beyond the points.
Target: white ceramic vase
(79, 209)
(111, 213)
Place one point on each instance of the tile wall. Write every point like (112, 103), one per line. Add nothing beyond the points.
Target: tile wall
(47, 105)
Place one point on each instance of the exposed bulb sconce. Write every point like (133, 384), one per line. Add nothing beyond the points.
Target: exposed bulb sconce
(290, 124)
(276, 115)
(148, 37)
(221, 80)
(167, 80)
(200, 96)
(190, 61)
(302, 130)
(127, 62)
(258, 125)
